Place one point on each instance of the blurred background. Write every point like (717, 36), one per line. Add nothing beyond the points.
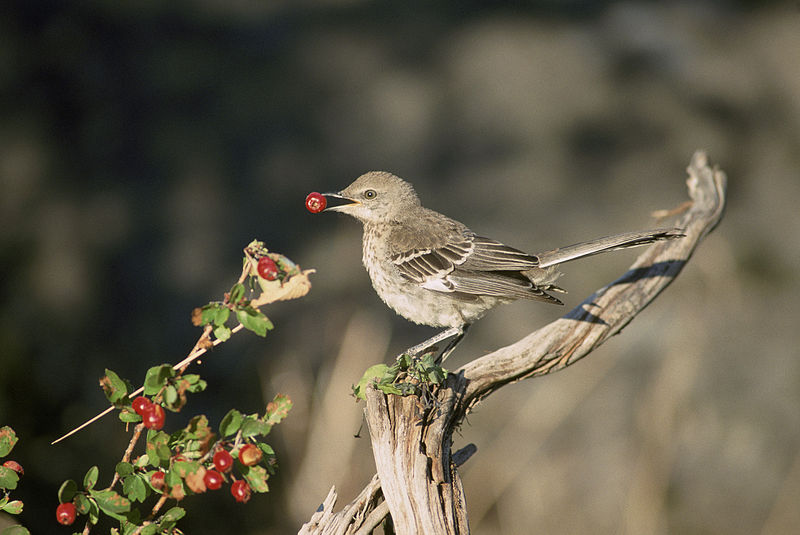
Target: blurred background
(143, 145)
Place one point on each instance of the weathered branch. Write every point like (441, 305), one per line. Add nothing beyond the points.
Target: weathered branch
(604, 313)
(361, 515)
(411, 445)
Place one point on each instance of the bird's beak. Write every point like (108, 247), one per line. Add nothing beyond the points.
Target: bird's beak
(336, 202)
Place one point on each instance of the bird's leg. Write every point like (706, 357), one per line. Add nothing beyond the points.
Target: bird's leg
(457, 332)
(453, 343)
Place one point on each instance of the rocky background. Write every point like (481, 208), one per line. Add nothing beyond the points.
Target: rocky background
(143, 144)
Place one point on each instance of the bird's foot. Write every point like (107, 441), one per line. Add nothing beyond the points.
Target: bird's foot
(430, 345)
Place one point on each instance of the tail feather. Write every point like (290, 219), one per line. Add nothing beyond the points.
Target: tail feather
(607, 243)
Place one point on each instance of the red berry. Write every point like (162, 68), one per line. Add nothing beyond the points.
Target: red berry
(140, 405)
(212, 479)
(316, 202)
(240, 491)
(267, 268)
(223, 461)
(157, 480)
(15, 466)
(154, 416)
(65, 513)
(249, 455)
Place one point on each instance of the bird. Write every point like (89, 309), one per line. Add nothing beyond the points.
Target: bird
(433, 270)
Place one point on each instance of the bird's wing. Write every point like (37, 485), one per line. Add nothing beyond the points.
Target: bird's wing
(471, 265)
(491, 255)
(433, 263)
(505, 285)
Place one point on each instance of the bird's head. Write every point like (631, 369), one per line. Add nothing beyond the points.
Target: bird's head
(374, 197)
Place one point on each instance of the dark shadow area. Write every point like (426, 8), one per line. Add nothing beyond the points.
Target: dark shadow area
(669, 268)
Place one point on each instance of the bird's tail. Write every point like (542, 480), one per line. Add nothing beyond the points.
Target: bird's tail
(607, 243)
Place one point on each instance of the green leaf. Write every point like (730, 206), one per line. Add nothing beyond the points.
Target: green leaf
(157, 449)
(237, 292)
(195, 437)
(150, 529)
(221, 316)
(192, 383)
(170, 518)
(93, 509)
(114, 388)
(124, 469)
(174, 514)
(82, 503)
(278, 409)
(90, 479)
(15, 530)
(209, 312)
(184, 468)
(111, 503)
(127, 416)
(174, 485)
(222, 333)
(427, 361)
(388, 389)
(198, 428)
(256, 476)
(254, 320)
(156, 378)
(14, 507)
(170, 395)
(231, 423)
(8, 478)
(378, 371)
(7, 440)
(133, 519)
(134, 488)
(252, 426)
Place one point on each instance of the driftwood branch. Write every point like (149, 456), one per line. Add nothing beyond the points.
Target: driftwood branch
(417, 473)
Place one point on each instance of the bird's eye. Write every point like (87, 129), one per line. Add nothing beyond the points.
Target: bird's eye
(370, 194)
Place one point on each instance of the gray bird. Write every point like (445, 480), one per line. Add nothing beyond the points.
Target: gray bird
(435, 271)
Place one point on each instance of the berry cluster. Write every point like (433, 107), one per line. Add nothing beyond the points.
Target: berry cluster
(197, 458)
(152, 414)
(221, 463)
(198, 477)
(193, 460)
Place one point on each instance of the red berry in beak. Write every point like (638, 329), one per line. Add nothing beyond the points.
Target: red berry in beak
(316, 202)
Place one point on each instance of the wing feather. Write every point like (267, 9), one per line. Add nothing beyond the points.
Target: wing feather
(472, 265)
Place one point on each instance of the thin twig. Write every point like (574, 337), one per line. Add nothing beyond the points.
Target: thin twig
(137, 432)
